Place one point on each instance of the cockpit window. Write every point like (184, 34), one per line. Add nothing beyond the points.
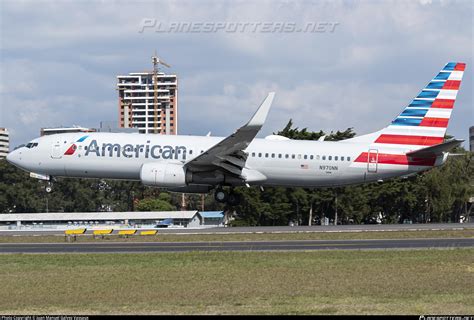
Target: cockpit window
(30, 145)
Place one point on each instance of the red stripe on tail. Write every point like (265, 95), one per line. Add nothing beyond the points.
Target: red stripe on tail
(460, 66)
(443, 103)
(434, 122)
(412, 140)
(452, 84)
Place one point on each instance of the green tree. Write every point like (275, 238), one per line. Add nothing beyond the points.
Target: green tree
(162, 203)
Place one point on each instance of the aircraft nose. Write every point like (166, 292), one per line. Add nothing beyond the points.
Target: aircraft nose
(13, 158)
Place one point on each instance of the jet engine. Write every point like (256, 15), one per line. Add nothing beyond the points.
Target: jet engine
(164, 175)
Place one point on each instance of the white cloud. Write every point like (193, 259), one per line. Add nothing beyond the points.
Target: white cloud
(59, 62)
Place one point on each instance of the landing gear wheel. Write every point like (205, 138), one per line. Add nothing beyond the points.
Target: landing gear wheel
(233, 199)
(221, 196)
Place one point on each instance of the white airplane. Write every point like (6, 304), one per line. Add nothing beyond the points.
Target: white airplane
(412, 143)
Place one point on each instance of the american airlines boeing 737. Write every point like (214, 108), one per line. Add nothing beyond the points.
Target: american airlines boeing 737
(412, 143)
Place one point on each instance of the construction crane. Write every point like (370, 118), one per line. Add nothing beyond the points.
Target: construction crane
(156, 61)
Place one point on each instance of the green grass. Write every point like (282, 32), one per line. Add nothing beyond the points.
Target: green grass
(163, 237)
(437, 281)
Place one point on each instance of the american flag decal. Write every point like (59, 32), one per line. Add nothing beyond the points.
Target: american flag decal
(304, 166)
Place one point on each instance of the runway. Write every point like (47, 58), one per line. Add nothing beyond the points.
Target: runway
(300, 245)
(278, 229)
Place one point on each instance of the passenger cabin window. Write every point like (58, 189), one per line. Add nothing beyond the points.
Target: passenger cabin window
(273, 155)
(342, 158)
(336, 157)
(292, 156)
(348, 158)
(329, 157)
(279, 155)
(305, 157)
(266, 155)
(287, 156)
(260, 155)
(324, 157)
(311, 157)
(253, 154)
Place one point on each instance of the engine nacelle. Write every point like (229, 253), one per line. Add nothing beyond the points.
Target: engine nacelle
(165, 175)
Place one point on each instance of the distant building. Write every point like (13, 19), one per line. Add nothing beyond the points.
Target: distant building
(213, 218)
(115, 220)
(50, 131)
(4, 143)
(471, 139)
(112, 126)
(150, 108)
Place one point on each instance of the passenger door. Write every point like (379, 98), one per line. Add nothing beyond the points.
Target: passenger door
(56, 150)
(372, 161)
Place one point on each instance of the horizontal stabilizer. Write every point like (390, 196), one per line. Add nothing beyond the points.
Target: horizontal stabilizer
(435, 150)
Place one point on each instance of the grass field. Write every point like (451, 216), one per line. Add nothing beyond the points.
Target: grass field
(437, 281)
(465, 233)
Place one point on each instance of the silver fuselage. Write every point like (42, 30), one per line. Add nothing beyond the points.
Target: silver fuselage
(282, 162)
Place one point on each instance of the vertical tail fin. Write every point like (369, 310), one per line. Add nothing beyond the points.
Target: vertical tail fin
(425, 120)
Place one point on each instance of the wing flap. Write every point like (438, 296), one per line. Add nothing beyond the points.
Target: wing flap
(235, 160)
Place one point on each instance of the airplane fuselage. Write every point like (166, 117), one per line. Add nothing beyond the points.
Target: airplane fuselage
(414, 141)
(282, 162)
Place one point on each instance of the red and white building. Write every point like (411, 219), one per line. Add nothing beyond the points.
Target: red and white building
(4, 143)
(137, 106)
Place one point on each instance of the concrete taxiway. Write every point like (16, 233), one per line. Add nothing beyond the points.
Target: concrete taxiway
(282, 245)
(279, 229)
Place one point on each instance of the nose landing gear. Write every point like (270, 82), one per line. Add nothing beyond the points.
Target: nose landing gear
(231, 198)
(49, 187)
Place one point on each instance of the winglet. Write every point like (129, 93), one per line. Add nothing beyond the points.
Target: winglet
(260, 115)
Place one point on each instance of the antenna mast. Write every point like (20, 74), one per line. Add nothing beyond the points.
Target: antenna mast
(156, 61)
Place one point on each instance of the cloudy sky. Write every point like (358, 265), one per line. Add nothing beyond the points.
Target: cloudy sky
(59, 61)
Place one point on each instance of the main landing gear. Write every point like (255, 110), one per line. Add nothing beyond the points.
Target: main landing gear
(222, 196)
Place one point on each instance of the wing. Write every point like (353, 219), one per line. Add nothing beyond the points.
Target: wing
(228, 155)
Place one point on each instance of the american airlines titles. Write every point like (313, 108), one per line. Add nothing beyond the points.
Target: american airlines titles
(136, 151)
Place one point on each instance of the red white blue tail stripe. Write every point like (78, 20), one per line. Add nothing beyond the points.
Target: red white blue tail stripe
(424, 121)
(421, 124)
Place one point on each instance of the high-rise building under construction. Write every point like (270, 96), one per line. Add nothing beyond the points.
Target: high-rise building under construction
(149, 100)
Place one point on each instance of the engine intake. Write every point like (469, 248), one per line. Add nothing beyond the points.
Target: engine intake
(165, 175)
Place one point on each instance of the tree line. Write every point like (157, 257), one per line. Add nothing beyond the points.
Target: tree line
(439, 195)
